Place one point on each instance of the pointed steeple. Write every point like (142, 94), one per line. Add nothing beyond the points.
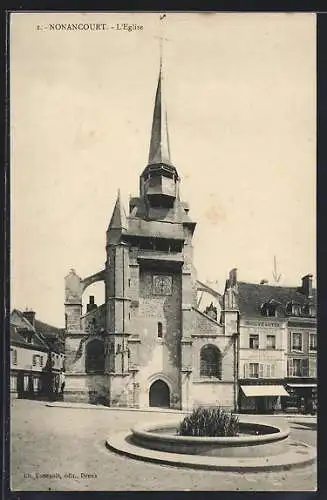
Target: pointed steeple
(118, 219)
(159, 144)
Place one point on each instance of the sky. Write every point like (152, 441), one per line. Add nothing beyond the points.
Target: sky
(241, 98)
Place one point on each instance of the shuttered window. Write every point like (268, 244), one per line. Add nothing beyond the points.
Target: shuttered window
(298, 367)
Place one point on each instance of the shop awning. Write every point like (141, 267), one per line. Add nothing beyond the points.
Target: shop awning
(302, 385)
(264, 390)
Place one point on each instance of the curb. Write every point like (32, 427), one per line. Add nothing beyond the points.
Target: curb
(118, 443)
(81, 406)
(117, 408)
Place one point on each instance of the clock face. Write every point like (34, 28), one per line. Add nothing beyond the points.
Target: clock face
(162, 285)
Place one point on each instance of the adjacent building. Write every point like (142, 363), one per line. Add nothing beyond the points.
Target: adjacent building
(150, 344)
(36, 357)
(277, 344)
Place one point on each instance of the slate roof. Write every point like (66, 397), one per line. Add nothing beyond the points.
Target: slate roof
(155, 229)
(17, 337)
(159, 144)
(44, 335)
(251, 296)
(46, 329)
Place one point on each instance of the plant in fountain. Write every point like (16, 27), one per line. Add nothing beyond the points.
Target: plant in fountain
(209, 422)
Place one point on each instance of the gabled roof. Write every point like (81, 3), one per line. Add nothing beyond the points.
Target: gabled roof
(252, 296)
(18, 319)
(42, 334)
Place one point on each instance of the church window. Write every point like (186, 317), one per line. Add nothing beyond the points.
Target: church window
(210, 362)
(94, 357)
(162, 285)
(159, 330)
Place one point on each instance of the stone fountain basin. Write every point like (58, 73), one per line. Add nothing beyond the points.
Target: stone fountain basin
(255, 439)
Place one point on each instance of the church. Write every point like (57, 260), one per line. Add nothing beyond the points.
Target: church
(150, 343)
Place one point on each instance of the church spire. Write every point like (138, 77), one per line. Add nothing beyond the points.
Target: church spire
(118, 219)
(159, 143)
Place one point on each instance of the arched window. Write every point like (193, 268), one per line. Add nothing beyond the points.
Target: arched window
(210, 361)
(94, 357)
(159, 330)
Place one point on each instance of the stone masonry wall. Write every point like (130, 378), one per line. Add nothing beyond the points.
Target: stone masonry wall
(158, 357)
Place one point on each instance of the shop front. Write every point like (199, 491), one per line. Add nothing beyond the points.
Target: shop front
(261, 398)
(302, 398)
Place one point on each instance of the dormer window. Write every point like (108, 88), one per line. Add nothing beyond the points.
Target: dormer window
(293, 309)
(269, 309)
(309, 310)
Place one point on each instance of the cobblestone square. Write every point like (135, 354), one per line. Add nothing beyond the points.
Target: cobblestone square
(63, 449)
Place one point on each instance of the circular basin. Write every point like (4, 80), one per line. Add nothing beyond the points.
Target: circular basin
(255, 439)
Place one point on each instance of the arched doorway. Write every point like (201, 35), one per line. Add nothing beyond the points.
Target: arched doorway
(159, 394)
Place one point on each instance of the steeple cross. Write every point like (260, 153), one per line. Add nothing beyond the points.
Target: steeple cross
(161, 38)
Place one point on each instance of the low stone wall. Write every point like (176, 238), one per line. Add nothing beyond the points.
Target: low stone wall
(164, 438)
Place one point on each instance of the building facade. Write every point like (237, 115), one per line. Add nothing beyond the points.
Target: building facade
(35, 362)
(149, 344)
(277, 345)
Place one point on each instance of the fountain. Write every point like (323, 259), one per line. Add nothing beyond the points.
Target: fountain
(259, 445)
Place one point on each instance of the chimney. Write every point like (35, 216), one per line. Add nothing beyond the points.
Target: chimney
(233, 277)
(91, 305)
(30, 316)
(307, 285)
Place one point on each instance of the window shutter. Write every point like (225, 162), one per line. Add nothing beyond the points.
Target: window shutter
(305, 367)
(272, 369)
(261, 370)
(290, 367)
(312, 368)
(246, 370)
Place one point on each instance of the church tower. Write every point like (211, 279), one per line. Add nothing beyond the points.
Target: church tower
(117, 298)
(150, 343)
(150, 281)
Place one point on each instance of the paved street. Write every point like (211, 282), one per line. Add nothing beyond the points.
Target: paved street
(62, 444)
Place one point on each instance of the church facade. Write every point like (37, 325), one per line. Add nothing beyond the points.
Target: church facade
(150, 344)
